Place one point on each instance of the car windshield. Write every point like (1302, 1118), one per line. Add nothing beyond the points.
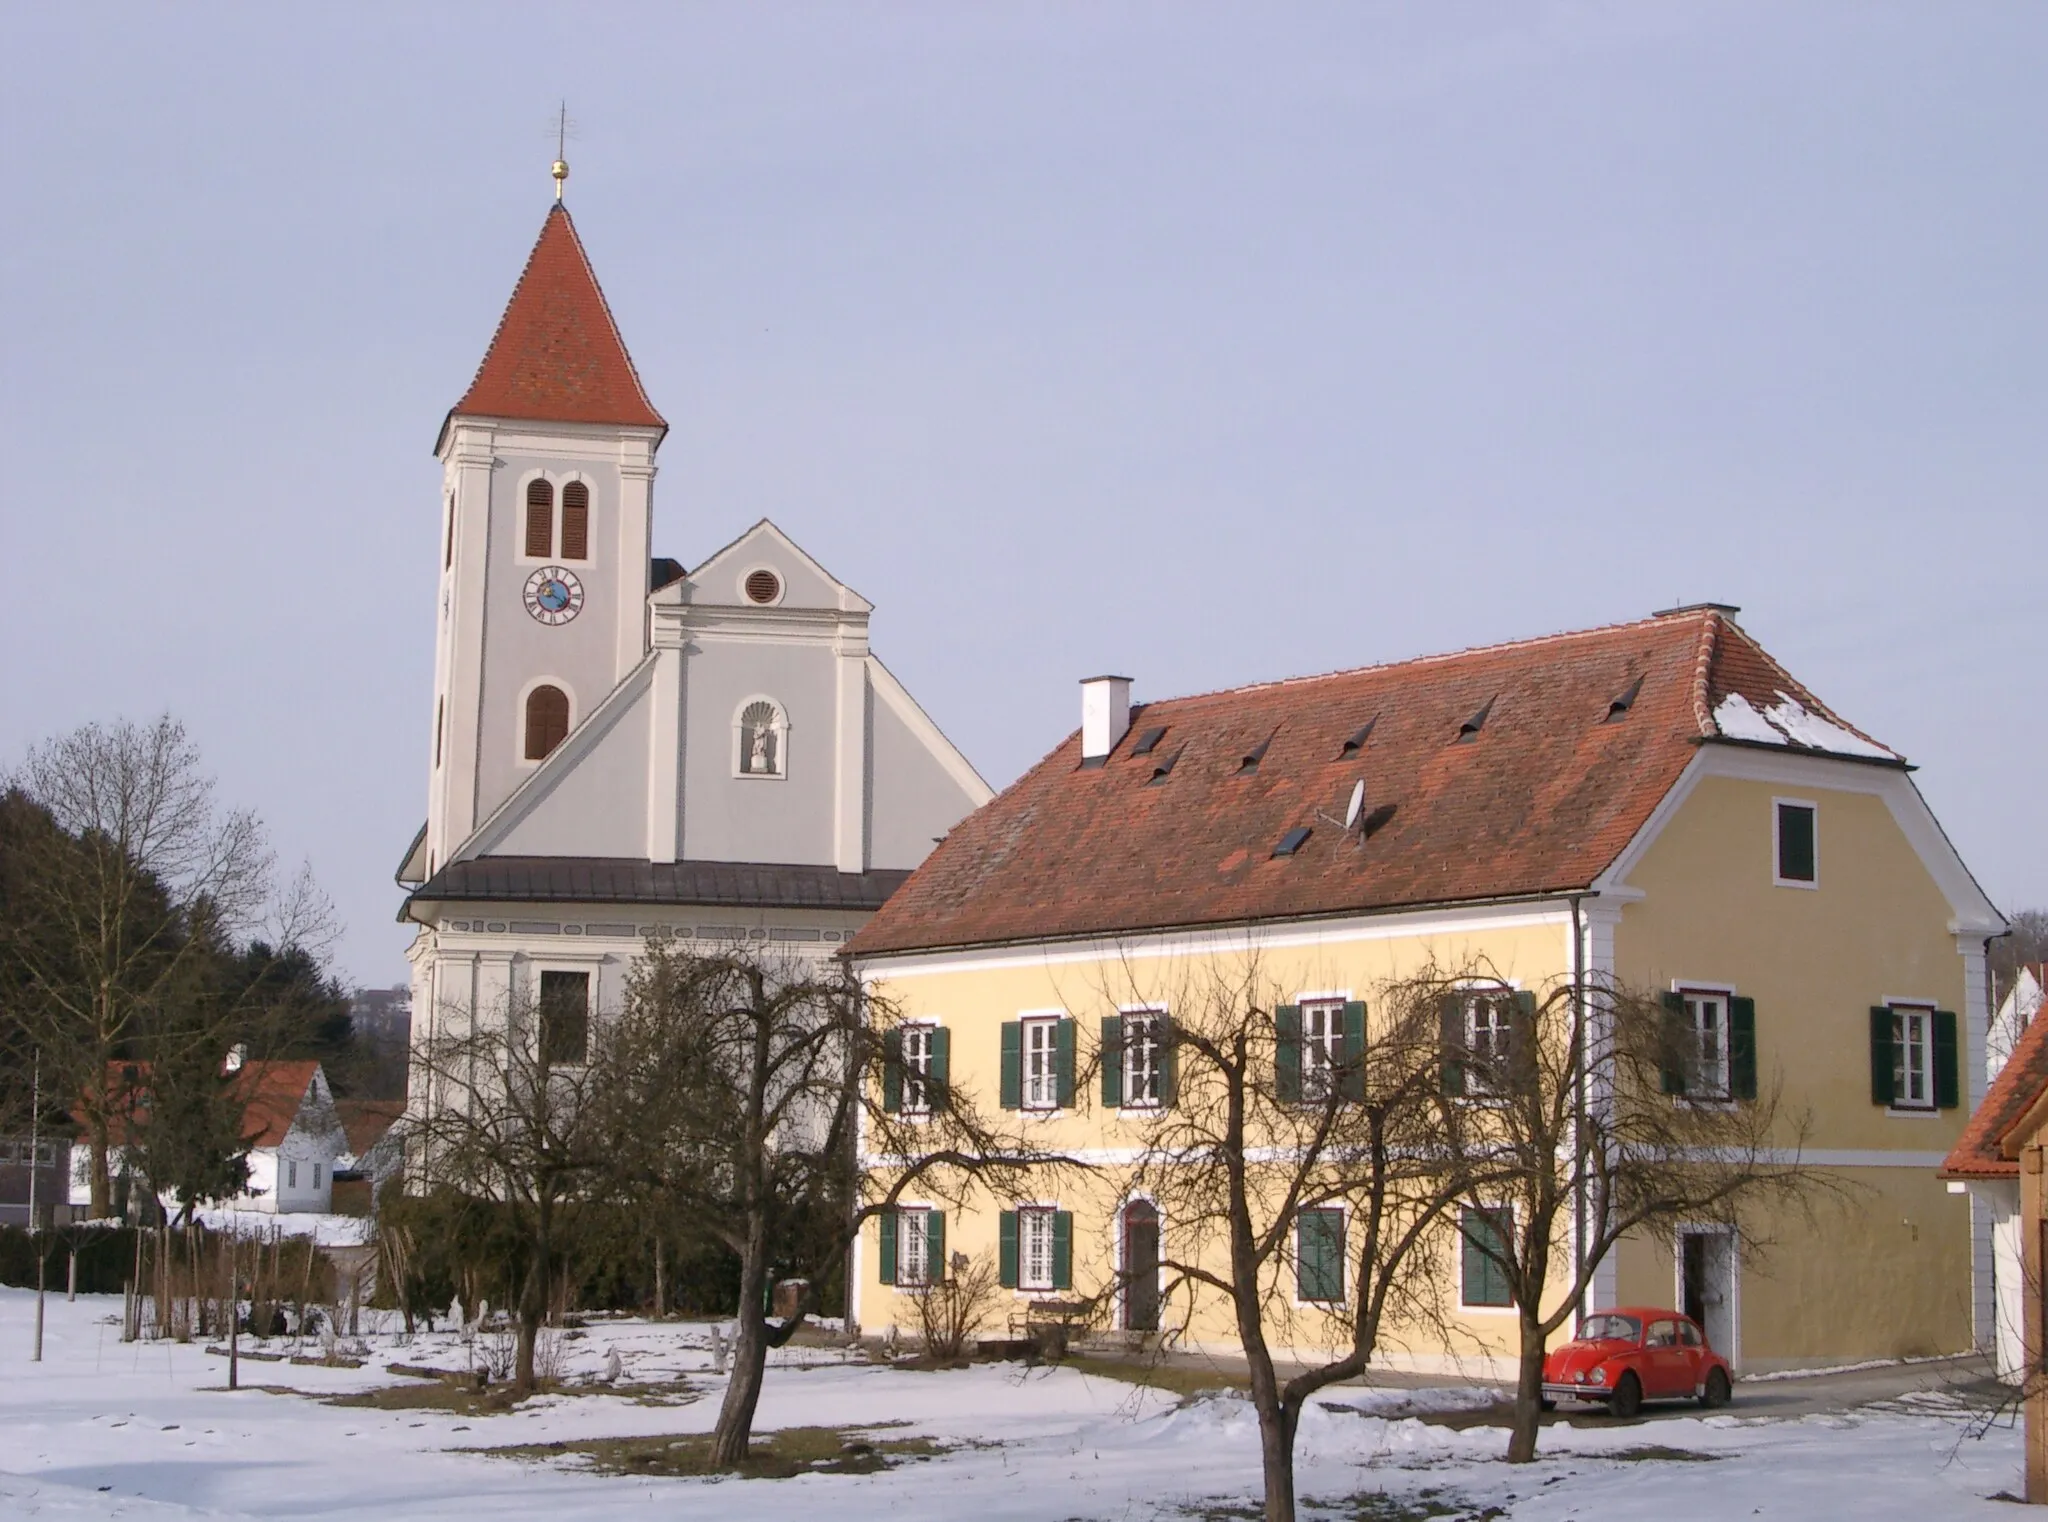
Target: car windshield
(1610, 1329)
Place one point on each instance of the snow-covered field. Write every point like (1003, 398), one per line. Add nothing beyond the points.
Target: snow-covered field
(148, 1430)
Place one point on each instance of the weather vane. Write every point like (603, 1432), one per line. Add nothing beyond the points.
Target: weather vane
(563, 127)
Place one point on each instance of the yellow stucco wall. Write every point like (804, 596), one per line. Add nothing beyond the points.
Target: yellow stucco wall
(1530, 949)
(1882, 1269)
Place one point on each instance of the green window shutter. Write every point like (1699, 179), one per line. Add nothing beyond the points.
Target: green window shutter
(1881, 1055)
(1319, 1255)
(892, 1071)
(1485, 1281)
(887, 1221)
(1287, 1054)
(1169, 1059)
(935, 1247)
(1353, 1078)
(942, 1066)
(1451, 1037)
(1112, 1061)
(1671, 1049)
(1742, 1048)
(1013, 1066)
(1063, 1057)
(1062, 1249)
(1947, 1071)
(1522, 1037)
(1006, 1250)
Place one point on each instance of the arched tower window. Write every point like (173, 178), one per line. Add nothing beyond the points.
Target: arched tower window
(575, 521)
(762, 738)
(540, 520)
(547, 721)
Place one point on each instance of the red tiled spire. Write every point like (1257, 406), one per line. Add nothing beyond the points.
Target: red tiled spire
(557, 356)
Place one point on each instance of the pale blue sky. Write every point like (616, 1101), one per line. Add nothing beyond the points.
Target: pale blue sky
(1206, 343)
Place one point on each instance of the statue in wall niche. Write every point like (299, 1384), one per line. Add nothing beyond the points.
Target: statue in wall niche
(757, 728)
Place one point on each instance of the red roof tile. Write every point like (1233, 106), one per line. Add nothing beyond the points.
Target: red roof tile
(1979, 1152)
(271, 1093)
(557, 356)
(366, 1120)
(1539, 801)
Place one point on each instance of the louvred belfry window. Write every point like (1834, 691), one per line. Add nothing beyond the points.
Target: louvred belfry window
(547, 721)
(540, 520)
(576, 521)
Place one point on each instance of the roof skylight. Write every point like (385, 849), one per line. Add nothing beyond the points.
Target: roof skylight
(1624, 703)
(1469, 730)
(1293, 840)
(1357, 741)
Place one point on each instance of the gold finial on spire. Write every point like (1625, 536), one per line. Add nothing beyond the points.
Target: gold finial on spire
(561, 169)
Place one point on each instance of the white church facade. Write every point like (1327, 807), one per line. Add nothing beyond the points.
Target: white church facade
(620, 746)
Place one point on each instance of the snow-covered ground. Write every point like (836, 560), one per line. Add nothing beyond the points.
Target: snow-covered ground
(101, 1429)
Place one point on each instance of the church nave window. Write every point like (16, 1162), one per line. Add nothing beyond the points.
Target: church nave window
(540, 520)
(547, 721)
(576, 521)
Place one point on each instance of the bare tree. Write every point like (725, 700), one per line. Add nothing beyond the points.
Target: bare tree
(740, 1087)
(125, 880)
(1297, 1163)
(515, 1116)
(1573, 1123)
(2026, 943)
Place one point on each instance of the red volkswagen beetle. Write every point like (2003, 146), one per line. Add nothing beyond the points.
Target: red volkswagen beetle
(1626, 1357)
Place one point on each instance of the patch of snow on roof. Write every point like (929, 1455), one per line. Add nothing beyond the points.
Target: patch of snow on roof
(1786, 722)
(1738, 721)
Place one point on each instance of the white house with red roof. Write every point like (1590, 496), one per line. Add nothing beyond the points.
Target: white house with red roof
(295, 1137)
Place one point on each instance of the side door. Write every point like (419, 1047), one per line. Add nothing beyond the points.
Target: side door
(1664, 1366)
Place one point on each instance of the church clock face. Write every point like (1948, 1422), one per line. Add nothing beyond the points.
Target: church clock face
(554, 595)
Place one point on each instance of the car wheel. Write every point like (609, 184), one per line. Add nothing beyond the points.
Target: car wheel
(1628, 1397)
(1717, 1392)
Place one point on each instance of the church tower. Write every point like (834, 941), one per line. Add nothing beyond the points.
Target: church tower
(548, 473)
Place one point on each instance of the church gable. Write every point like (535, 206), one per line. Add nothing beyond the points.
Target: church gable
(765, 568)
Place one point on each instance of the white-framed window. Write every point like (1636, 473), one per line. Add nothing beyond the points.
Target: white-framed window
(1707, 1047)
(760, 740)
(564, 1017)
(913, 1248)
(917, 1069)
(1912, 1058)
(1485, 1237)
(1041, 1053)
(1144, 1057)
(1035, 1248)
(1795, 843)
(316, 1175)
(1489, 1035)
(1322, 1046)
(291, 1174)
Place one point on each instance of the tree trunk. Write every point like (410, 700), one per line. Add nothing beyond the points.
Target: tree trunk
(1528, 1393)
(530, 1304)
(1276, 1459)
(96, 1148)
(730, 1440)
(660, 1280)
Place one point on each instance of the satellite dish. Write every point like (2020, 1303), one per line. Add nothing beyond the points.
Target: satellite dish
(1357, 803)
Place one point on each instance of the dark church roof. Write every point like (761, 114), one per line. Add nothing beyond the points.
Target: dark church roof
(623, 880)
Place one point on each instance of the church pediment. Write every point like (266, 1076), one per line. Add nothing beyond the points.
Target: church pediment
(764, 568)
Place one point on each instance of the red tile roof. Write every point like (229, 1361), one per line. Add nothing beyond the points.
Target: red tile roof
(366, 1120)
(1539, 801)
(557, 356)
(271, 1093)
(1979, 1152)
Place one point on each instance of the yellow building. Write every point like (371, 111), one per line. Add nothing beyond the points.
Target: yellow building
(1657, 805)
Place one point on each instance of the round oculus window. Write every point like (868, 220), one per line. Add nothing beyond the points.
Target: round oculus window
(763, 586)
